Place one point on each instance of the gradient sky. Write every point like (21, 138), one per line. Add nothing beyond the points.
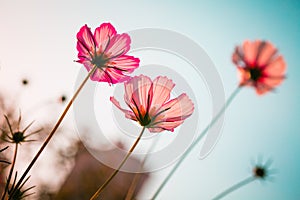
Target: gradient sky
(38, 39)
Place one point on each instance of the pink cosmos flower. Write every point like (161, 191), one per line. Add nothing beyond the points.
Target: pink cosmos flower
(107, 50)
(150, 104)
(259, 65)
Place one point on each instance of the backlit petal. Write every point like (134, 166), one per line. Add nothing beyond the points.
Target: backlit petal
(119, 45)
(162, 87)
(266, 54)
(262, 88)
(243, 75)
(238, 56)
(128, 114)
(99, 76)
(169, 126)
(136, 91)
(103, 35)
(155, 130)
(88, 65)
(177, 109)
(85, 41)
(250, 52)
(116, 76)
(276, 68)
(125, 63)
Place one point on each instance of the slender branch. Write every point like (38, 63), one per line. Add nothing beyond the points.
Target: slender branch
(10, 172)
(102, 187)
(54, 128)
(202, 134)
(234, 187)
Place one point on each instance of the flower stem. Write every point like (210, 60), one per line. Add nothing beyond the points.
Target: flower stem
(54, 128)
(137, 176)
(102, 187)
(202, 134)
(234, 187)
(10, 172)
(133, 185)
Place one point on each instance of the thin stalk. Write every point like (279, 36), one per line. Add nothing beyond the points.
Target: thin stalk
(202, 134)
(55, 127)
(102, 187)
(137, 176)
(234, 187)
(10, 172)
(133, 185)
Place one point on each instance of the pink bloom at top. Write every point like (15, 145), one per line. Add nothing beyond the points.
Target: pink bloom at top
(150, 104)
(259, 65)
(107, 50)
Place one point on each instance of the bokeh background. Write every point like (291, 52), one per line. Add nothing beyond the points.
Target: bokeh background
(38, 42)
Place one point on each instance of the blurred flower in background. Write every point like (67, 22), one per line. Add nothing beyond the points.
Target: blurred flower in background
(259, 65)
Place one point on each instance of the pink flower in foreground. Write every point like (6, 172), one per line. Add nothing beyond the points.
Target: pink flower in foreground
(107, 50)
(151, 106)
(259, 65)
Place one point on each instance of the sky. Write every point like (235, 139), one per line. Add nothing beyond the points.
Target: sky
(38, 41)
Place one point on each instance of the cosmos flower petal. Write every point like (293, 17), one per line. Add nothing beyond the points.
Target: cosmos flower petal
(162, 126)
(85, 41)
(266, 53)
(272, 82)
(83, 53)
(177, 109)
(87, 64)
(243, 75)
(276, 68)
(118, 46)
(136, 91)
(116, 76)
(110, 76)
(125, 63)
(99, 76)
(250, 52)
(128, 114)
(103, 34)
(155, 130)
(262, 88)
(162, 87)
(237, 56)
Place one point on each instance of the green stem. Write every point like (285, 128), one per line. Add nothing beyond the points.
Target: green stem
(213, 121)
(102, 187)
(54, 128)
(10, 172)
(234, 187)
